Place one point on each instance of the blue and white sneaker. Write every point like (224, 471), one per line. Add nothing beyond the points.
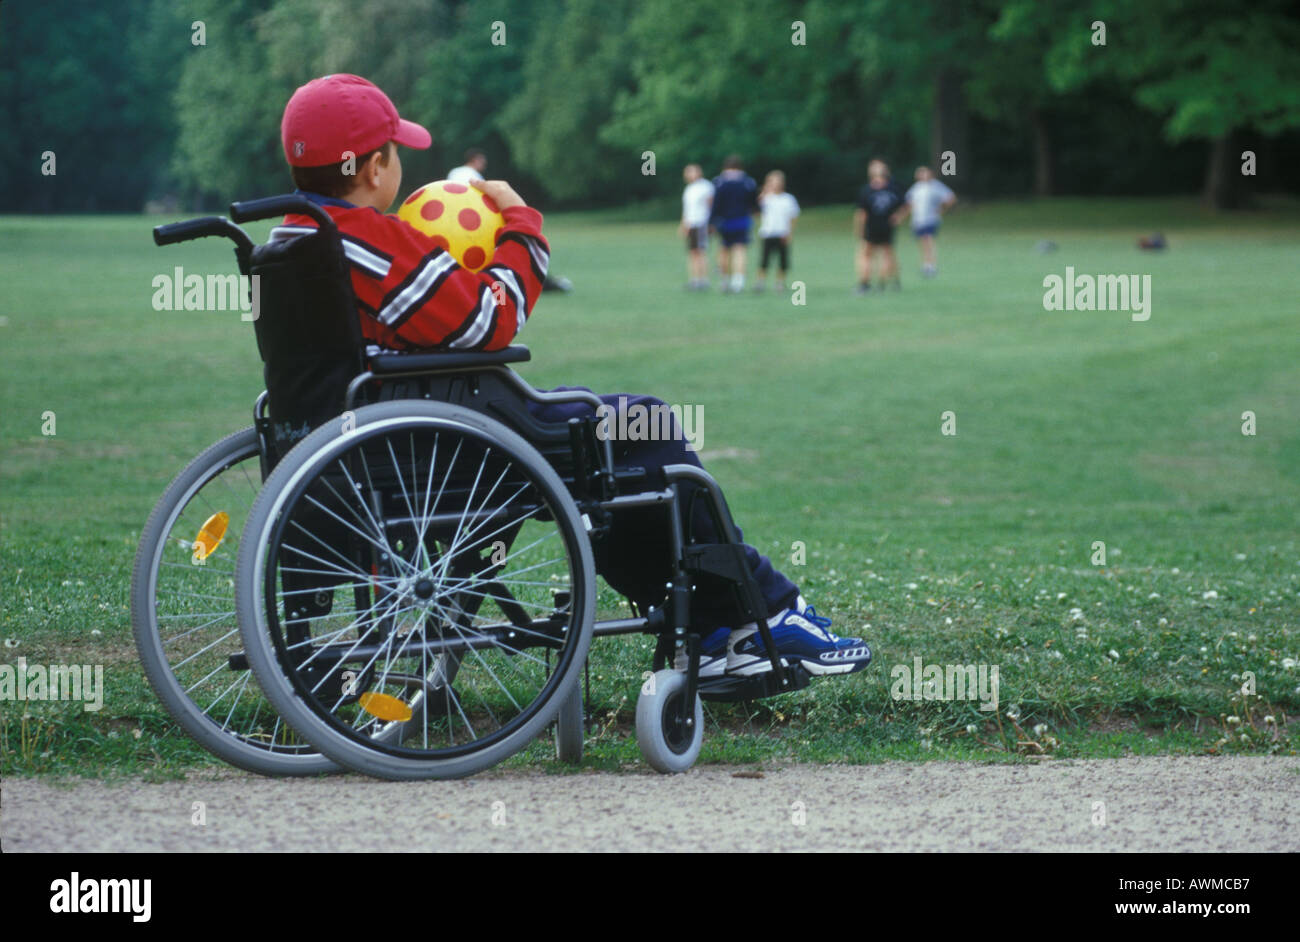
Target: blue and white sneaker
(713, 653)
(801, 637)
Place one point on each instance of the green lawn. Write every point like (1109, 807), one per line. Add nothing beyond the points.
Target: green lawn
(824, 423)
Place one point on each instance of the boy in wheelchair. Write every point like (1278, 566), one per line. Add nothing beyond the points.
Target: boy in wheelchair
(413, 296)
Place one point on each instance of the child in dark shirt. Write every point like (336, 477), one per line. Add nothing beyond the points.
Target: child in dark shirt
(879, 205)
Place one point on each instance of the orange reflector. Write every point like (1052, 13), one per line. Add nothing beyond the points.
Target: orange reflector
(210, 536)
(384, 707)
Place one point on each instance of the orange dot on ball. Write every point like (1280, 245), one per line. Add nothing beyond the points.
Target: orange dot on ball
(469, 219)
(432, 209)
(490, 204)
(441, 242)
(455, 187)
(413, 197)
(475, 257)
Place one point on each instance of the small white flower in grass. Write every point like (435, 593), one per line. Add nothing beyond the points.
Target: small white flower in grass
(1163, 622)
(1270, 719)
(947, 621)
(1154, 595)
(11, 642)
(1113, 654)
(1060, 595)
(971, 728)
(1211, 594)
(1250, 637)
(1234, 720)
(1013, 712)
(95, 632)
(911, 585)
(1076, 614)
(1288, 662)
(67, 582)
(1175, 570)
(137, 733)
(1240, 557)
(1040, 729)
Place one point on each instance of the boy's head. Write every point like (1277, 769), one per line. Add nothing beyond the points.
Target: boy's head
(878, 170)
(775, 181)
(692, 172)
(923, 174)
(340, 134)
(476, 158)
(733, 162)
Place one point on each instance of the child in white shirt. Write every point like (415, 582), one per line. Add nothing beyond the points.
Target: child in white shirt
(775, 228)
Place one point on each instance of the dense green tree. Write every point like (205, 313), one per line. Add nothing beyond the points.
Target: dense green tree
(81, 80)
(574, 64)
(1209, 68)
(469, 74)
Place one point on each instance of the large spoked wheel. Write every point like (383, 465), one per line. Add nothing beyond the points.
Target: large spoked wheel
(416, 590)
(669, 731)
(183, 614)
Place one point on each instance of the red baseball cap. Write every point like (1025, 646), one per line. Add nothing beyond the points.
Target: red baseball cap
(338, 113)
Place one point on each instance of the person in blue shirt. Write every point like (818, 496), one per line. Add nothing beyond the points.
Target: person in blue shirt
(735, 201)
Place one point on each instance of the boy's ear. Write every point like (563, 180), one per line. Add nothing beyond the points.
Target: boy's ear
(370, 174)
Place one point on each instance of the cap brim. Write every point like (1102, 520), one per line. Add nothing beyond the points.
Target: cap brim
(410, 134)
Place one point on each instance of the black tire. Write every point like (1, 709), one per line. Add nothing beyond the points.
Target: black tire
(569, 726)
(183, 616)
(404, 537)
(669, 738)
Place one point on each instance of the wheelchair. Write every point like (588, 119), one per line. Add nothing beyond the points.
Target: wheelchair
(408, 559)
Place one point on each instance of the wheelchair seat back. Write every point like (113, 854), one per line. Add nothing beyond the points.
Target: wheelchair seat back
(307, 331)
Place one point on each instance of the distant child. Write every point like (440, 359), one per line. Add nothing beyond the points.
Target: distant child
(775, 228)
(927, 201)
(697, 203)
(735, 200)
(471, 170)
(874, 221)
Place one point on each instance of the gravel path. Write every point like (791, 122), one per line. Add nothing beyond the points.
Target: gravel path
(1151, 804)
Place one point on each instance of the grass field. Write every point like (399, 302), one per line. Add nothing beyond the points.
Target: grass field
(823, 422)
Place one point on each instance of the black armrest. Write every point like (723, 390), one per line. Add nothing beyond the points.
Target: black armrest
(388, 363)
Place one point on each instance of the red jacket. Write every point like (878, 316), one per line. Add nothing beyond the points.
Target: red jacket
(412, 294)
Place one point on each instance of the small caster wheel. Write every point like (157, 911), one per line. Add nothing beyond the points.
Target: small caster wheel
(669, 735)
(569, 726)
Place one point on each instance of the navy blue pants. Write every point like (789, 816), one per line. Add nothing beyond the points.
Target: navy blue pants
(635, 557)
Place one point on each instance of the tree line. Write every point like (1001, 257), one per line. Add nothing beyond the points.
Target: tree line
(600, 102)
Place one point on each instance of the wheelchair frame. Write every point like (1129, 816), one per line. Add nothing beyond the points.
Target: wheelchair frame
(599, 488)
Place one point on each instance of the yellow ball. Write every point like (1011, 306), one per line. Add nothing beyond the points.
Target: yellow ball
(456, 217)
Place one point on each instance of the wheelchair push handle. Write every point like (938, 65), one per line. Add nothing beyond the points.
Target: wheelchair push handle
(200, 228)
(270, 206)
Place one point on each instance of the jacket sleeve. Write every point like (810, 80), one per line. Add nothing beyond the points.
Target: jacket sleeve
(427, 299)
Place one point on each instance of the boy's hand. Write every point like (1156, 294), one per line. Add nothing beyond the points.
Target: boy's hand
(500, 192)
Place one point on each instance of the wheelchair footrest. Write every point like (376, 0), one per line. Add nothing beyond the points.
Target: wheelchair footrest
(755, 687)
